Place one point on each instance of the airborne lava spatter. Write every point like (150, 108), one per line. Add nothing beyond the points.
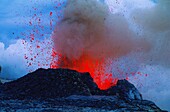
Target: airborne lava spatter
(100, 34)
(88, 35)
(95, 67)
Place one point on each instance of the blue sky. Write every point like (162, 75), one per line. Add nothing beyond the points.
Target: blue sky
(16, 14)
(19, 20)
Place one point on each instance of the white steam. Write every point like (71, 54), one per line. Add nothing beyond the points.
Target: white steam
(12, 60)
(15, 59)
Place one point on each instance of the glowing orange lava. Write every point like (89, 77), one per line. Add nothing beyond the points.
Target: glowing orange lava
(86, 64)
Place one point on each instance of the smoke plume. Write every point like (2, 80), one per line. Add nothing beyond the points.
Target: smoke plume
(156, 28)
(88, 28)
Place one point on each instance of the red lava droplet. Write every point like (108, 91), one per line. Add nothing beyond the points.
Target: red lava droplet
(51, 13)
(38, 46)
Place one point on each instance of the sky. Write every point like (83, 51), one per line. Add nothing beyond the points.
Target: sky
(25, 32)
(26, 28)
(15, 16)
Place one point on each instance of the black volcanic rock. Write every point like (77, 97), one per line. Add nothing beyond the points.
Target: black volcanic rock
(124, 89)
(48, 83)
(67, 90)
(0, 82)
(0, 79)
(64, 82)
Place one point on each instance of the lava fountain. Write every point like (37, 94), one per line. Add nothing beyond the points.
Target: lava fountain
(88, 35)
(89, 64)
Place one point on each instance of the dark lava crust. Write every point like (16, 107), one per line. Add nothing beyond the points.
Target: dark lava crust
(64, 90)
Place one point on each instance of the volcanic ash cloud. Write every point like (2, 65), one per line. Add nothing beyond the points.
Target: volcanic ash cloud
(88, 28)
(156, 26)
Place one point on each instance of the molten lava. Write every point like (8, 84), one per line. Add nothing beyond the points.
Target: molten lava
(96, 67)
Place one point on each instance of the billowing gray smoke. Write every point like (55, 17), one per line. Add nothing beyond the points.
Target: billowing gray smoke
(89, 28)
(156, 27)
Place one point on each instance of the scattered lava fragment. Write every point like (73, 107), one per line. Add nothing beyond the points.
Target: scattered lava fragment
(51, 13)
(36, 39)
(86, 64)
(37, 52)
